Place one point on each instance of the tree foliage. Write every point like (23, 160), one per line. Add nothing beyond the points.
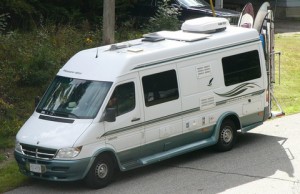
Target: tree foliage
(37, 37)
(28, 14)
(3, 21)
(165, 18)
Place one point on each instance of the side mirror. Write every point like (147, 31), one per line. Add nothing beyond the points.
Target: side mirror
(37, 101)
(109, 115)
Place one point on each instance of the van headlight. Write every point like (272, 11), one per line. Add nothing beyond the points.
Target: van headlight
(68, 152)
(18, 146)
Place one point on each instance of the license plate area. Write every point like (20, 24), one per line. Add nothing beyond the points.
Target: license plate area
(37, 168)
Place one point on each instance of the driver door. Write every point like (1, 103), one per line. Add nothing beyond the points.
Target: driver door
(125, 134)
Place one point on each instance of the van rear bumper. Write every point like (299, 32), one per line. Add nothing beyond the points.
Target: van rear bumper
(55, 170)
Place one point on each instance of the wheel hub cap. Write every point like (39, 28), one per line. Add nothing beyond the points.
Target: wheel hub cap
(101, 170)
(226, 135)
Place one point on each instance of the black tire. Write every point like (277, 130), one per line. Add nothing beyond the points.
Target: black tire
(101, 172)
(227, 136)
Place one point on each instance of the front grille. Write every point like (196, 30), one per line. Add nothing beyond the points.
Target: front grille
(38, 152)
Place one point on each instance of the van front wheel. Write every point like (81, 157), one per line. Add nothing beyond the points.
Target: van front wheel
(227, 136)
(101, 172)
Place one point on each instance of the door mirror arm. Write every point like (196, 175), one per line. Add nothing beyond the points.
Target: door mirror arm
(109, 115)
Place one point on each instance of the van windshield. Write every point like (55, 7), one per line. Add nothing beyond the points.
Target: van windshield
(73, 98)
(194, 3)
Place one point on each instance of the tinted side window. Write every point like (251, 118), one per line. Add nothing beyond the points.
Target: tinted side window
(161, 87)
(123, 98)
(241, 67)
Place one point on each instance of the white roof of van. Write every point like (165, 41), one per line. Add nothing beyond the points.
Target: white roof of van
(136, 54)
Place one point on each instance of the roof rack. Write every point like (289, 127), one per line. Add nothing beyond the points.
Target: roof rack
(176, 35)
(114, 47)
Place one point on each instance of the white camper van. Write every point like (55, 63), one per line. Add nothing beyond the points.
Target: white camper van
(123, 106)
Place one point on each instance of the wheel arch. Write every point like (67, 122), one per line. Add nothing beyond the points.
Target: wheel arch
(227, 115)
(107, 151)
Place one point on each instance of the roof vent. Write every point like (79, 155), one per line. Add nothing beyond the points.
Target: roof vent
(205, 25)
(114, 47)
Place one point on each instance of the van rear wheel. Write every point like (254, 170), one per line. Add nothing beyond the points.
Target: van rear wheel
(227, 136)
(101, 172)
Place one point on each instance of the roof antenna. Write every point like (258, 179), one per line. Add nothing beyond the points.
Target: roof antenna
(97, 53)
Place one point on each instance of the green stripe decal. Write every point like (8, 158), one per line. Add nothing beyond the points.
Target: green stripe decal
(240, 97)
(151, 121)
(238, 90)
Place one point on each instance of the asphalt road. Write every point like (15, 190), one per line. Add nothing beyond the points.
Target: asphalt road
(265, 160)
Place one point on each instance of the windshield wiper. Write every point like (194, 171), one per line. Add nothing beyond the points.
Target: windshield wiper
(58, 113)
(68, 114)
(45, 111)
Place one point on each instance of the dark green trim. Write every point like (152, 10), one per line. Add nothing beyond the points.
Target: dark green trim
(193, 54)
(151, 121)
(178, 151)
(180, 144)
(248, 128)
(267, 114)
(166, 148)
(251, 121)
(55, 170)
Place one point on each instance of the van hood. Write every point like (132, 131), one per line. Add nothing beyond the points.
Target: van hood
(51, 132)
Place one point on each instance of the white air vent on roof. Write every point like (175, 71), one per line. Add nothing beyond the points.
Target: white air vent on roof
(205, 24)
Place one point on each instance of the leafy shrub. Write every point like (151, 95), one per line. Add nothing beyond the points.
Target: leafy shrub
(30, 60)
(166, 18)
(3, 22)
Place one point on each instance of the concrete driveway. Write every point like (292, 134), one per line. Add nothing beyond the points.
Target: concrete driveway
(265, 160)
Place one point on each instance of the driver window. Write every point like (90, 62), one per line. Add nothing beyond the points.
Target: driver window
(123, 99)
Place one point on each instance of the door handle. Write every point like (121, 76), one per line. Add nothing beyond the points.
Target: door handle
(135, 119)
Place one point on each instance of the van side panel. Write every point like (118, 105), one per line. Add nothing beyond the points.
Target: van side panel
(162, 107)
(205, 102)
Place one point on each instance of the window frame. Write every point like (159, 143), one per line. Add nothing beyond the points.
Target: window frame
(160, 90)
(241, 61)
(116, 90)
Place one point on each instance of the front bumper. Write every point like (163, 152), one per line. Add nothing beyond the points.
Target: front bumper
(55, 170)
